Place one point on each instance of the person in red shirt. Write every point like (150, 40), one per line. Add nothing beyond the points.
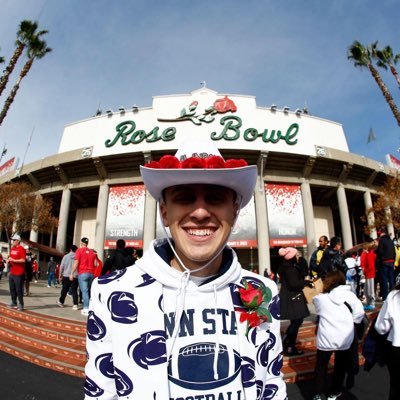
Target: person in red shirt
(16, 259)
(35, 268)
(85, 263)
(367, 261)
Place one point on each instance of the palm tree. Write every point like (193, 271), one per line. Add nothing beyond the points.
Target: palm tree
(385, 58)
(37, 50)
(1, 60)
(362, 57)
(25, 34)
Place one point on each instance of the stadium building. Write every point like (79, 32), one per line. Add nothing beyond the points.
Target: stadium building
(309, 184)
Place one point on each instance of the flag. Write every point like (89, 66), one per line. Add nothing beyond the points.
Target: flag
(371, 136)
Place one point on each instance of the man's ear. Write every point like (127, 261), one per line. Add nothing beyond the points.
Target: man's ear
(236, 209)
(163, 213)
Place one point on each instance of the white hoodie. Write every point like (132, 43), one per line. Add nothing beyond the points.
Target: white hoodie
(336, 322)
(135, 351)
(388, 319)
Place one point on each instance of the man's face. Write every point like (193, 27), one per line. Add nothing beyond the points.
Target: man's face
(15, 242)
(323, 242)
(200, 218)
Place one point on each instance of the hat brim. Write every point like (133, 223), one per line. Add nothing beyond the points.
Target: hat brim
(241, 180)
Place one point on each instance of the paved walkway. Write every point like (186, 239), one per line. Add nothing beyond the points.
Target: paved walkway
(43, 300)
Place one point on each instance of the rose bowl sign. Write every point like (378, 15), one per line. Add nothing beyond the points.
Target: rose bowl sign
(233, 121)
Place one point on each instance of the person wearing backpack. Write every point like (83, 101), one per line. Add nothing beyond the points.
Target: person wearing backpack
(338, 310)
(119, 259)
(333, 258)
(316, 256)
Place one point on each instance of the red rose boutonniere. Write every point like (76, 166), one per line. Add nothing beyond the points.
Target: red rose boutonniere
(256, 300)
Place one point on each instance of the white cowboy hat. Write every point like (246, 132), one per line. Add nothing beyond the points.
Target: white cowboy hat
(200, 162)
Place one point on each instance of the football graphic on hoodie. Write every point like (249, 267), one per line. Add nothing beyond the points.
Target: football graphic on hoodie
(193, 367)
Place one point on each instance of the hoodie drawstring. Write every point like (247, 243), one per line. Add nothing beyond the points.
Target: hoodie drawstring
(216, 353)
(179, 307)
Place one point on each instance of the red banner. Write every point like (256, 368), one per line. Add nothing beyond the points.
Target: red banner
(7, 166)
(285, 215)
(125, 215)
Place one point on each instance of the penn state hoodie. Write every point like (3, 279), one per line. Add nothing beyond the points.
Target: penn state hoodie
(154, 333)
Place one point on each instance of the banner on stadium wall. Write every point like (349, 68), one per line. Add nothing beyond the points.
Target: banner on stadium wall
(125, 215)
(285, 215)
(392, 161)
(243, 234)
(8, 166)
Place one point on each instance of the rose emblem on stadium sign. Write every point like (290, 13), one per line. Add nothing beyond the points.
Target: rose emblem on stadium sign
(220, 106)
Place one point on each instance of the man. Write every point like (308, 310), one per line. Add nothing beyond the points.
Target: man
(51, 273)
(332, 258)
(67, 284)
(16, 278)
(385, 255)
(316, 256)
(119, 259)
(181, 324)
(85, 264)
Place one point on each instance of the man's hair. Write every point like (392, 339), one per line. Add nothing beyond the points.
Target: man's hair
(74, 248)
(335, 241)
(120, 244)
(325, 238)
(332, 280)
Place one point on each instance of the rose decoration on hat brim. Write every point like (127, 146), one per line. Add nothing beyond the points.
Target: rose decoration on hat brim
(213, 162)
(256, 300)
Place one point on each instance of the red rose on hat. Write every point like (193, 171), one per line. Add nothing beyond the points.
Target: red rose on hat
(215, 162)
(194, 162)
(153, 164)
(169, 161)
(224, 105)
(233, 163)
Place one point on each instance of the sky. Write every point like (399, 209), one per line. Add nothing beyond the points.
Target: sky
(109, 54)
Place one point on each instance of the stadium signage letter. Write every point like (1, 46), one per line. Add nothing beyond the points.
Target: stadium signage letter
(126, 132)
(232, 123)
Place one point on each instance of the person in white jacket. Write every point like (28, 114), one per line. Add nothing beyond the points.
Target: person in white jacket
(388, 321)
(187, 322)
(338, 309)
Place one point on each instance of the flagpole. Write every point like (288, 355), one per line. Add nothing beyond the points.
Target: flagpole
(26, 150)
(3, 152)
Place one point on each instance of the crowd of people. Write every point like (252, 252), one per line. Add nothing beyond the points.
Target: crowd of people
(75, 272)
(351, 283)
(188, 321)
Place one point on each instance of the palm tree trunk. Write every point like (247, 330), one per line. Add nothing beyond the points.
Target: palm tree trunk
(8, 103)
(10, 67)
(395, 74)
(14, 90)
(385, 92)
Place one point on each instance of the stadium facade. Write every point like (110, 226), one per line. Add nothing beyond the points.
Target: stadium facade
(309, 184)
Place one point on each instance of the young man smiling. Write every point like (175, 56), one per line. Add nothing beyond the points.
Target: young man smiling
(188, 322)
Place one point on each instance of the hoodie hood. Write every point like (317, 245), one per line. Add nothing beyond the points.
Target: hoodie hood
(339, 294)
(155, 262)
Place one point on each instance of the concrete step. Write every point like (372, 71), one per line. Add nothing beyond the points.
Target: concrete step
(48, 341)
